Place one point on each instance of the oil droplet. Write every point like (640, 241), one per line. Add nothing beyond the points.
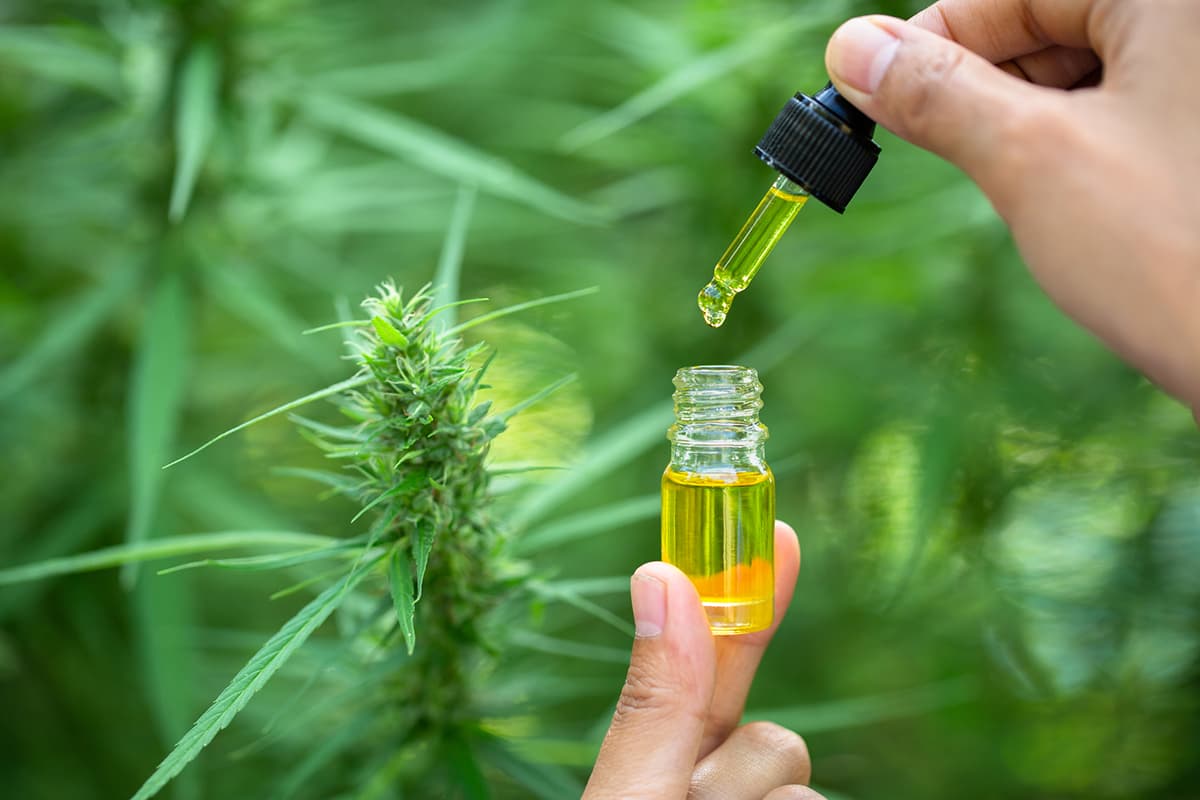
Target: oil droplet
(715, 300)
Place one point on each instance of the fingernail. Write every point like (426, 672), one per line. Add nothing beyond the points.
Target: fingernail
(860, 53)
(649, 595)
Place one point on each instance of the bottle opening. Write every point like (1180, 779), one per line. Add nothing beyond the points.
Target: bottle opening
(717, 404)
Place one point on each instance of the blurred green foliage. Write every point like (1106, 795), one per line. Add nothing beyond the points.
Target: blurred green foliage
(1001, 523)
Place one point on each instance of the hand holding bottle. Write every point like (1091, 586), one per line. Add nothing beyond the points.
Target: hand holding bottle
(675, 732)
(1097, 182)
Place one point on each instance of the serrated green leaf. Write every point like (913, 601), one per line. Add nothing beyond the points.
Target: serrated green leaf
(155, 400)
(195, 121)
(412, 481)
(158, 548)
(513, 309)
(387, 332)
(346, 323)
(328, 391)
(538, 396)
(339, 482)
(422, 548)
(400, 581)
(269, 561)
(252, 677)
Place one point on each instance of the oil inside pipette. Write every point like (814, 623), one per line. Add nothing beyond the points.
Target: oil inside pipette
(750, 248)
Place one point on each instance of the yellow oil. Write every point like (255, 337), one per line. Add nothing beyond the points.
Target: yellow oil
(750, 248)
(719, 529)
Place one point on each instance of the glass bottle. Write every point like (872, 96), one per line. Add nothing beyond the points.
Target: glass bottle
(718, 497)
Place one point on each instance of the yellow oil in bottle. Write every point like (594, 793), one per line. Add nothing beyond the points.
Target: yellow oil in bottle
(719, 529)
(742, 259)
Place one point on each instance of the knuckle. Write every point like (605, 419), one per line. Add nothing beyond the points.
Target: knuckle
(786, 745)
(1029, 139)
(918, 94)
(647, 693)
(794, 792)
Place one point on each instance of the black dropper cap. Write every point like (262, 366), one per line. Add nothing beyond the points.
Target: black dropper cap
(822, 143)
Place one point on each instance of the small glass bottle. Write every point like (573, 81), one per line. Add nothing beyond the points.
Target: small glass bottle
(718, 497)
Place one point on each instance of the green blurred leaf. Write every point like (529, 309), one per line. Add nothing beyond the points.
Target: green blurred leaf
(159, 548)
(444, 155)
(546, 781)
(603, 453)
(61, 55)
(858, 711)
(248, 294)
(195, 120)
(165, 625)
(446, 279)
(690, 76)
(566, 647)
(563, 593)
(585, 586)
(69, 329)
(78, 524)
(465, 771)
(155, 400)
(586, 523)
(264, 664)
(299, 775)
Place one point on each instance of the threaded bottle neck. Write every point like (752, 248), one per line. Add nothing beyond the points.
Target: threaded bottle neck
(717, 406)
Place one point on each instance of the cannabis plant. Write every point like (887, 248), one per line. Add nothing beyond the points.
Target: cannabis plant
(419, 590)
(1000, 522)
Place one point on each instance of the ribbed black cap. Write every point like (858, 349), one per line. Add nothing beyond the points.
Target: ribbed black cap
(822, 143)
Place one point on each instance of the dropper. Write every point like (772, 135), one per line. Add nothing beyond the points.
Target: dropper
(821, 146)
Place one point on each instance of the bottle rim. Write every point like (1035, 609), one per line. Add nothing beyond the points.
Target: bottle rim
(717, 405)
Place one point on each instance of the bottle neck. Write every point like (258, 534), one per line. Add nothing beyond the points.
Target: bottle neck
(716, 420)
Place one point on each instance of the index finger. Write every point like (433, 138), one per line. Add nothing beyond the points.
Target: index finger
(1000, 30)
(738, 656)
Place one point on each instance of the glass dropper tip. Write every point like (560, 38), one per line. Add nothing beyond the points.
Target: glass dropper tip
(714, 301)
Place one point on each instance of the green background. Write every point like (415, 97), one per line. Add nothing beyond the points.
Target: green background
(1000, 522)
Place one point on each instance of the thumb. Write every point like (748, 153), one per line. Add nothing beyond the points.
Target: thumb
(651, 747)
(931, 91)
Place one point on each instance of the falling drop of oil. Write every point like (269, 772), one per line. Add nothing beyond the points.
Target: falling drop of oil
(715, 300)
